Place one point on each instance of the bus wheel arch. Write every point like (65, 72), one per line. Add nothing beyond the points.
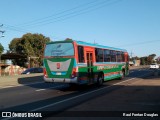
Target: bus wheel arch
(100, 78)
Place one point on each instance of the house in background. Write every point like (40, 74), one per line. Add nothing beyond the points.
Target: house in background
(134, 63)
(10, 69)
(7, 69)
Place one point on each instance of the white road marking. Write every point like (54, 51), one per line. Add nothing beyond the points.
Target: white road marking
(131, 71)
(10, 86)
(50, 88)
(40, 89)
(68, 99)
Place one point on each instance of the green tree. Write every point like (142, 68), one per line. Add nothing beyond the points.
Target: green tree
(147, 60)
(68, 39)
(31, 45)
(1, 49)
(143, 60)
(150, 58)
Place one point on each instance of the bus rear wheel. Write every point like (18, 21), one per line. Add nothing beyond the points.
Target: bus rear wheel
(123, 74)
(100, 79)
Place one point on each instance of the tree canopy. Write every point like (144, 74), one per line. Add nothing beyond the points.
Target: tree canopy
(1, 49)
(148, 59)
(31, 45)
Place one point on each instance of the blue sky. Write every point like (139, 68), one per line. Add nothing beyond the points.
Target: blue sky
(130, 24)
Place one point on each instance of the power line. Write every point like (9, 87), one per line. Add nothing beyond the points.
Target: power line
(74, 13)
(18, 29)
(81, 11)
(139, 43)
(53, 15)
(14, 28)
(60, 18)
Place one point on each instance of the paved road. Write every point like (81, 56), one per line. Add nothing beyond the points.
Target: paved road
(138, 91)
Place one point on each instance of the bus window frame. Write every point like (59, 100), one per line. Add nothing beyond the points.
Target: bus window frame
(107, 55)
(99, 60)
(82, 53)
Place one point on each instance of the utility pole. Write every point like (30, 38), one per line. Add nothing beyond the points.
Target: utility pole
(131, 54)
(133, 58)
(0, 53)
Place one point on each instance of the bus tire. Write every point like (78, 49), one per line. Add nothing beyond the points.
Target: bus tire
(123, 75)
(100, 79)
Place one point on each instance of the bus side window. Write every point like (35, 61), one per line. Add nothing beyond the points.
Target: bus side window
(119, 56)
(107, 57)
(99, 53)
(113, 56)
(80, 54)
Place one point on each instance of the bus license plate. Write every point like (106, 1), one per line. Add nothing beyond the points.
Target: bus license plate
(58, 73)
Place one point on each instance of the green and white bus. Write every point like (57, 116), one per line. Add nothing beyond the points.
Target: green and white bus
(80, 62)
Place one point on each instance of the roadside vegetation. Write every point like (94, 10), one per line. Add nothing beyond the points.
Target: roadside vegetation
(30, 45)
(146, 60)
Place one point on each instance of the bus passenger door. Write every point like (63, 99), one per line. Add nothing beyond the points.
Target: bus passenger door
(89, 58)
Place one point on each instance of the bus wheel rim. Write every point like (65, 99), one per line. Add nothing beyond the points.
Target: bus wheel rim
(100, 80)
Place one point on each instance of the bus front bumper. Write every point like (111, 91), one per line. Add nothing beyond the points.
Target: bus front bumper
(61, 80)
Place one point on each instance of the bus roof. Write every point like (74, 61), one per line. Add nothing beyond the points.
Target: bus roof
(99, 46)
(89, 44)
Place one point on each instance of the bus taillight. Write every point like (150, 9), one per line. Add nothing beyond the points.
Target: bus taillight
(45, 72)
(74, 73)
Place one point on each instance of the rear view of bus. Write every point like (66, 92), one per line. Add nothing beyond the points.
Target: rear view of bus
(59, 62)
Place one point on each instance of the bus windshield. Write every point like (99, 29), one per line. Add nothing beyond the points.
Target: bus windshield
(59, 49)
